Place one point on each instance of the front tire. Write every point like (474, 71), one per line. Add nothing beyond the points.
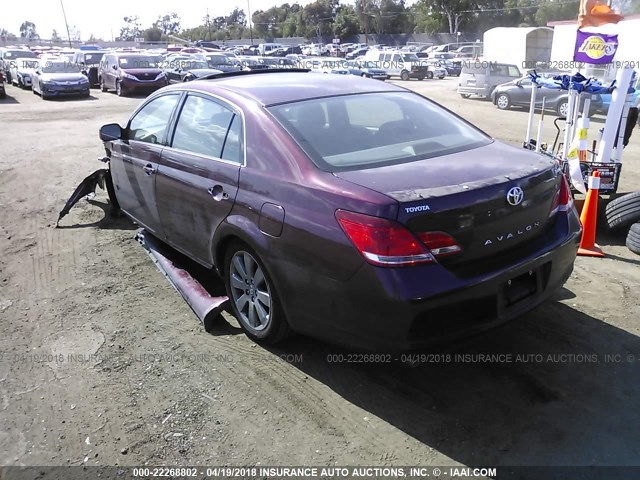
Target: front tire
(503, 102)
(404, 75)
(252, 296)
(120, 91)
(430, 75)
(465, 95)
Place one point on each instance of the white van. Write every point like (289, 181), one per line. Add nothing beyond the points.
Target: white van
(397, 63)
(265, 48)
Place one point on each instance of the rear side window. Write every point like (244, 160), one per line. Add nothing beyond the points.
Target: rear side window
(150, 123)
(474, 67)
(351, 132)
(202, 127)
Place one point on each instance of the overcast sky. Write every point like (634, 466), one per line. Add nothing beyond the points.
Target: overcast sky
(103, 18)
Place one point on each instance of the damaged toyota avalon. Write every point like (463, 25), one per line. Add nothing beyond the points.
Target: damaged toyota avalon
(344, 208)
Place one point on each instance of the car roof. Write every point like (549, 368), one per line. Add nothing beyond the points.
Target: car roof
(283, 87)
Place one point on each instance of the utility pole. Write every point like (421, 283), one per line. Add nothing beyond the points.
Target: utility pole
(250, 22)
(66, 24)
(209, 24)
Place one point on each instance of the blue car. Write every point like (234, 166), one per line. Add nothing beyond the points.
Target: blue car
(55, 78)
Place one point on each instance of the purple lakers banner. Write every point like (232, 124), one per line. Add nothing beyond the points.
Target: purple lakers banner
(595, 48)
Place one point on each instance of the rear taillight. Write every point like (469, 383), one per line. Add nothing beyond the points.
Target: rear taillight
(563, 201)
(383, 242)
(440, 244)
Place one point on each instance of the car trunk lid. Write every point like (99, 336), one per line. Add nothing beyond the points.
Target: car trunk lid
(471, 196)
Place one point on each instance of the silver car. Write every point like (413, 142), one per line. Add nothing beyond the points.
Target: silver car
(517, 93)
(22, 69)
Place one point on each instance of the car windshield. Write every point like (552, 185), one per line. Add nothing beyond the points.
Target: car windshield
(19, 54)
(375, 129)
(26, 63)
(410, 57)
(219, 60)
(139, 62)
(93, 58)
(60, 67)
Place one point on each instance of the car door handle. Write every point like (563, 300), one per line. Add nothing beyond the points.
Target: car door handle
(148, 169)
(218, 193)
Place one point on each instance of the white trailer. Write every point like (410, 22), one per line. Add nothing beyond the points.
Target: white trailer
(525, 47)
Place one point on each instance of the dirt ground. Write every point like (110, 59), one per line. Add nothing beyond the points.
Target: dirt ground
(103, 363)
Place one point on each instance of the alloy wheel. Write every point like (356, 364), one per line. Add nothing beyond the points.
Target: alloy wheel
(250, 291)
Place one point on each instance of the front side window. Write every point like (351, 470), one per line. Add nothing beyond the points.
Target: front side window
(353, 132)
(151, 122)
(202, 127)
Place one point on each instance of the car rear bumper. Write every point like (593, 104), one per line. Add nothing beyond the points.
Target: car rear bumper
(404, 309)
(467, 90)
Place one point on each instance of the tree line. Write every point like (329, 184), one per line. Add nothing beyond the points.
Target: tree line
(323, 18)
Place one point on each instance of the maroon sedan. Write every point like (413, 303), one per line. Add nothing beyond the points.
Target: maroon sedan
(345, 208)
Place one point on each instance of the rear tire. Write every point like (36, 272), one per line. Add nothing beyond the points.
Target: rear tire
(623, 211)
(633, 238)
(430, 75)
(562, 108)
(404, 75)
(242, 265)
(465, 95)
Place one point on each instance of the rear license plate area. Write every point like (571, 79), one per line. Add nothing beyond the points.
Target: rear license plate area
(520, 288)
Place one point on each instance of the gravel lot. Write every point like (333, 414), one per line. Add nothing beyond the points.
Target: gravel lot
(102, 363)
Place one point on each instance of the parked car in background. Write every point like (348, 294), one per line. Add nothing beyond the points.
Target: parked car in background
(298, 188)
(435, 69)
(131, 72)
(359, 52)
(517, 93)
(188, 70)
(59, 78)
(220, 61)
(3, 92)
(252, 63)
(89, 63)
(22, 70)
(7, 55)
(399, 64)
(277, 62)
(481, 78)
(469, 51)
(364, 69)
(453, 67)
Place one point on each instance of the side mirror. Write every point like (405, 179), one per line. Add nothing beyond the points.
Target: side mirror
(110, 132)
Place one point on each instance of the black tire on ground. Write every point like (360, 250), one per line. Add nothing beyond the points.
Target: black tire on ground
(404, 75)
(633, 238)
(465, 95)
(277, 328)
(3, 93)
(429, 75)
(120, 91)
(623, 211)
(420, 78)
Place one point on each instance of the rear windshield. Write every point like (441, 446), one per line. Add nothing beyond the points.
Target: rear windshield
(353, 132)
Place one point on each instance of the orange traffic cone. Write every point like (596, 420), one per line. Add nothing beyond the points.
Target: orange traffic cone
(589, 219)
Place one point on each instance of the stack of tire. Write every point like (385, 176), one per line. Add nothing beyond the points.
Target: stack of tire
(623, 214)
